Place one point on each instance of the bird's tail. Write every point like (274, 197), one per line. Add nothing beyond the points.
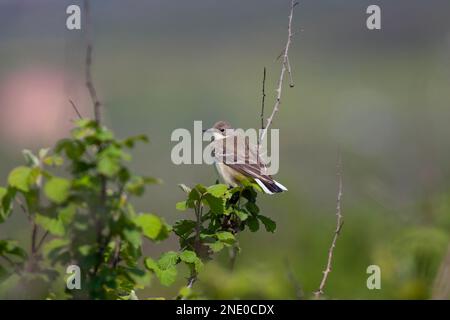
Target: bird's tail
(271, 187)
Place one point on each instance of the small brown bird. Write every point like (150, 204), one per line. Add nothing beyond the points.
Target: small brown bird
(244, 163)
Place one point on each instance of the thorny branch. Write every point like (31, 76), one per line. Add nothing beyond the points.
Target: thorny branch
(285, 67)
(339, 224)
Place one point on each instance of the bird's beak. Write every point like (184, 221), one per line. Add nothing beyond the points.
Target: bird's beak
(207, 130)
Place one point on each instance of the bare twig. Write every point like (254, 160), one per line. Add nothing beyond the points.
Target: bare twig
(285, 67)
(33, 238)
(42, 240)
(88, 64)
(263, 98)
(75, 109)
(339, 224)
(116, 257)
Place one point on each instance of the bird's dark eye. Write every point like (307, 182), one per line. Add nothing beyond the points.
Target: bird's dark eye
(222, 129)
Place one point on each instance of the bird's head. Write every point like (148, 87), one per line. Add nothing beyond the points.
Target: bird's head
(219, 129)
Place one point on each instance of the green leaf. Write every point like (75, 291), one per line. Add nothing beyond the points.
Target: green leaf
(217, 190)
(252, 208)
(10, 247)
(108, 166)
(225, 236)
(182, 205)
(6, 202)
(151, 264)
(253, 223)
(85, 249)
(57, 189)
(133, 237)
(53, 245)
(269, 224)
(165, 267)
(167, 276)
(201, 188)
(188, 256)
(168, 260)
(242, 215)
(20, 178)
(150, 224)
(54, 226)
(67, 214)
(216, 246)
(130, 141)
(184, 228)
(217, 205)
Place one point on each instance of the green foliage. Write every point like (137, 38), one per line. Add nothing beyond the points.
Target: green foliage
(165, 267)
(88, 214)
(220, 214)
(86, 218)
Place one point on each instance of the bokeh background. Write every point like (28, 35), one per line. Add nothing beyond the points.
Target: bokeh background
(382, 97)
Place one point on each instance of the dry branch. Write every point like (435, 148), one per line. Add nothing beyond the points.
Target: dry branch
(285, 67)
(88, 64)
(339, 224)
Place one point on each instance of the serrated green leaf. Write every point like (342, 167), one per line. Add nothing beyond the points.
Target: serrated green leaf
(151, 264)
(168, 259)
(188, 256)
(167, 276)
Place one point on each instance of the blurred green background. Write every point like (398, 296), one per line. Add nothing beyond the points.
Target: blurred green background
(382, 97)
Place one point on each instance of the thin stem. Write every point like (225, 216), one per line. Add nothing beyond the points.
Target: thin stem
(285, 67)
(42, 240)
(339, 224)
(263, 98)
(75, 109)
(33, 238)
(88, 64)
